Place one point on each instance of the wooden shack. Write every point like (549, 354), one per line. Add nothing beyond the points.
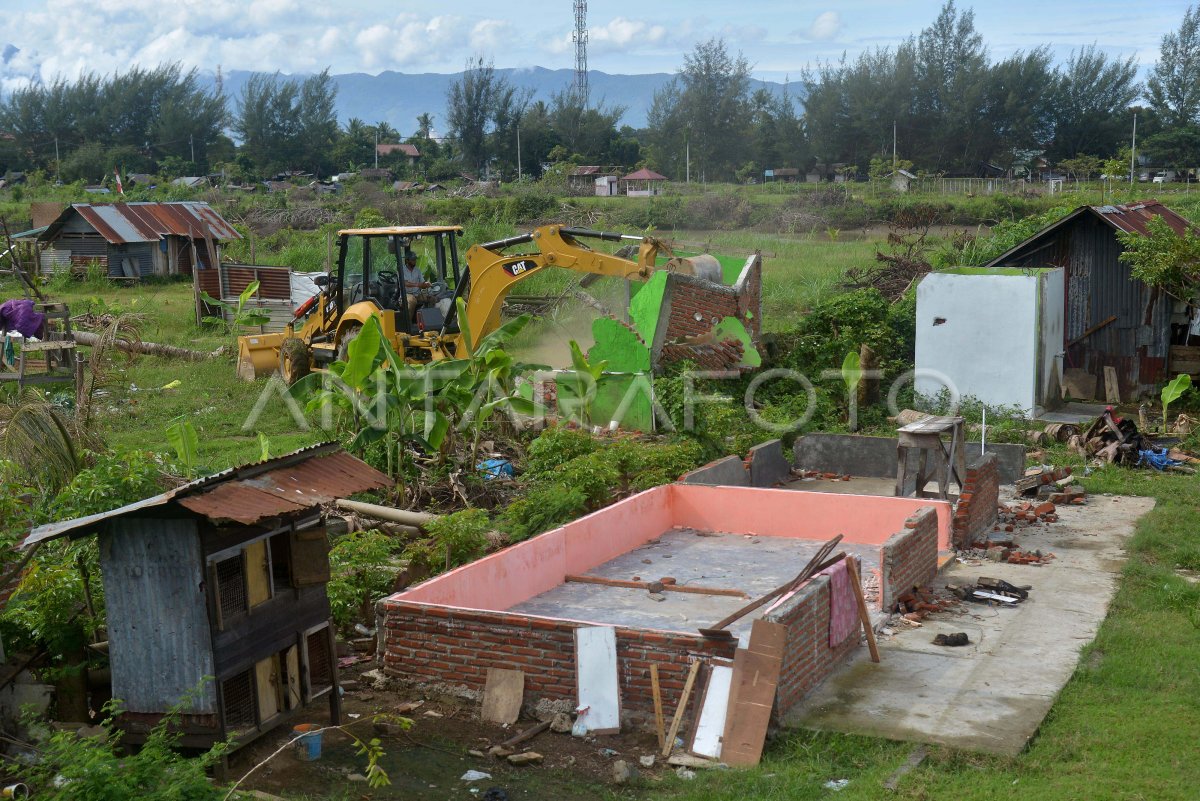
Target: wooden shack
(1112, 319)
(216, 589)
(135, 240)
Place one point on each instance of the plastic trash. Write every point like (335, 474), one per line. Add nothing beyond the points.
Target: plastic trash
(836, 784)
(496, 468)
(474, 776)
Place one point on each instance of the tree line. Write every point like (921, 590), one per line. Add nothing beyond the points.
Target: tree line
(937, 99)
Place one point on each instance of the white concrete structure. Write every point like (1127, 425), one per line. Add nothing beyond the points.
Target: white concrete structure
(995, 335)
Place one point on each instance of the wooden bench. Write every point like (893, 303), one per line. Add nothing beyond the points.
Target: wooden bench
(950, 461)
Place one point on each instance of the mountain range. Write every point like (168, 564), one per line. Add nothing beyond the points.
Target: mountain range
(397, 97)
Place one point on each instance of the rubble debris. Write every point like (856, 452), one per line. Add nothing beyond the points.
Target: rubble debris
(991, 591)
(1027, 558)
(1045, 476)
(623, 772)
(954, 640)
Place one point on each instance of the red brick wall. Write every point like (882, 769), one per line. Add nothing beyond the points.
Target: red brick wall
(807, 659)
(909, 557)
(686, 297)
(975, 513)
(455, 647)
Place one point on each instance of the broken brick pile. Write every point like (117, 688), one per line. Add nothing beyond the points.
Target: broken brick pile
(974, 513)
(918, 603)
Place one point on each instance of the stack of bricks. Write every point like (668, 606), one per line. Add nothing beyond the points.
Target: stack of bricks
(807, 657)
(453, 649)
(909, 557)
(975, 513)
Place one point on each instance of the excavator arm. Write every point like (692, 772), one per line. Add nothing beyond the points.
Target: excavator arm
(492, 273)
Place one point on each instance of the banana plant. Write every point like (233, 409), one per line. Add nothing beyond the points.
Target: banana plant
(239, 315)
(1173, 392)
(583, 383)
(852, 375)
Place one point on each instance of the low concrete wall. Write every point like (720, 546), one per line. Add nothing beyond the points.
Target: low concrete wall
(768, 467)
(729, 472)
(876, 456)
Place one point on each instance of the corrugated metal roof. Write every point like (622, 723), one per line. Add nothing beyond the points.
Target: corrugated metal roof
(644, 174)
(1135, 217)
(301, 480)
(121, 223)
(1132, 218)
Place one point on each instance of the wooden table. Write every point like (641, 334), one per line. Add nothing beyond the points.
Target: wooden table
(950, 461)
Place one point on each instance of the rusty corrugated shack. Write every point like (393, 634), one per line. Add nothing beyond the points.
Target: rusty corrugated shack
(135, 240)
(223, 577)
(1099, 286)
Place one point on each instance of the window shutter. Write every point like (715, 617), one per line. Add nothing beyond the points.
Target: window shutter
(310, 557)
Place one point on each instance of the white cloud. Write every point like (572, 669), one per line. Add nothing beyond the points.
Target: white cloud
(490, 34)
(627, 34)
(826, 26)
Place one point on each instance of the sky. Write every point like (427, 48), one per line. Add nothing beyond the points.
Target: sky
(66, 37)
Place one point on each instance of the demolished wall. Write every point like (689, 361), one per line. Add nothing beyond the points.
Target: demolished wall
(975, 513)
(909, 557)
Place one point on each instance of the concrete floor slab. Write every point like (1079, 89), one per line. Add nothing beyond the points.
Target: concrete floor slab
(754, 565)
(1073, 412)
(992, 695)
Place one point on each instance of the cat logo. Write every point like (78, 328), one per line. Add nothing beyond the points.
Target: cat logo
(520, 267)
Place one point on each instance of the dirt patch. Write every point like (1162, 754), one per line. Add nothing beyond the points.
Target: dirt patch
(427, 761)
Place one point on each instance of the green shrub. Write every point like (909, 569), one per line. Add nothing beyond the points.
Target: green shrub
(361, 571)
(455, 539)
(557, 445)
(541, 509)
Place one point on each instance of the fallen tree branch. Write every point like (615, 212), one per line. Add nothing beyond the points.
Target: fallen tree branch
(148, 348)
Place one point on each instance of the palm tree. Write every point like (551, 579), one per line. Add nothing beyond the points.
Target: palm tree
(424, 125)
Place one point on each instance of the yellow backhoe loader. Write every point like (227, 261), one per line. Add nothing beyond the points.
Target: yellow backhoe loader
(368, 283)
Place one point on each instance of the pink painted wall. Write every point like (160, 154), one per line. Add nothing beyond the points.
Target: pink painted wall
(516, 574)
(863, 519)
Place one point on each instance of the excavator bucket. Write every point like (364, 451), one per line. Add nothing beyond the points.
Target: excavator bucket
(258, 355)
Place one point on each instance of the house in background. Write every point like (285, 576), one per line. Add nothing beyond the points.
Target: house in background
(643, 183)
(901, 180)
(594, 179)
(410, 153)
(135, 240)
(1110, 318)
(788, 175)
(216, 589)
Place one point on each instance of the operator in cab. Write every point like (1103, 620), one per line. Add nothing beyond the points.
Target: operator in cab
(413, 280)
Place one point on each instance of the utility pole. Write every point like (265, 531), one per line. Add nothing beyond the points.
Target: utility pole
(894, 157)
(518, 154)
(1133, 150)
(377, 147)
(687, 151)
(192, 147)
(56, 158)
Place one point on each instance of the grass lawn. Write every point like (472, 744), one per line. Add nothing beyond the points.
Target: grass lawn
(1124, 727)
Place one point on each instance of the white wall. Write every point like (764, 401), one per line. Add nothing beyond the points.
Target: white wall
(987, 346)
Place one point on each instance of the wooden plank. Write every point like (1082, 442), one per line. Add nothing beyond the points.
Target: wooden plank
(294, 697)
(656, 689)
(258, 574)
(863, 614)
(266, 684)
(755, 679)
(713, 711)
(645, 585)
(597, 684)
(681, 709)
(503, 694)
(1092, 330)
(1112, 389)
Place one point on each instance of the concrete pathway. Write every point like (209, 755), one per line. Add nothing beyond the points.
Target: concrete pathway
(992, 695)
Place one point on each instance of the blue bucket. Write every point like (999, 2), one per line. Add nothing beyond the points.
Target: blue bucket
(308, 744)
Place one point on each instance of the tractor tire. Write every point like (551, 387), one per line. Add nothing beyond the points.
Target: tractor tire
(343, 351)
(294, 360)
